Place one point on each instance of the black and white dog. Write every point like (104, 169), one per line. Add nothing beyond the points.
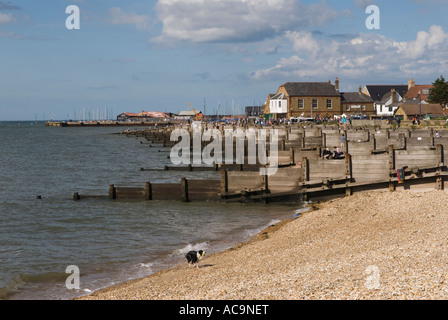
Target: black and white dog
(193, 257)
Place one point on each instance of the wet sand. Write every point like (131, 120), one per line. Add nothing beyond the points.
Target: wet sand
(376, 245)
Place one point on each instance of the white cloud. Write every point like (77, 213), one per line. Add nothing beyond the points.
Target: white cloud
(118, 17)
(363, 4)
(302, 41)
(369, 55)
(236, 20)
(6, 18)
(426, 41)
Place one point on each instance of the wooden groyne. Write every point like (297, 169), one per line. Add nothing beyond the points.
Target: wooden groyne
(373, 158)
(186, 191)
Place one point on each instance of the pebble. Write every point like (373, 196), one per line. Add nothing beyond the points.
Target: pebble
(390, 245)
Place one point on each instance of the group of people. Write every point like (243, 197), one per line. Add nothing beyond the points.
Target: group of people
(336, 154)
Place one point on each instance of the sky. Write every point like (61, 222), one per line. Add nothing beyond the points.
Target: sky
(218, 55)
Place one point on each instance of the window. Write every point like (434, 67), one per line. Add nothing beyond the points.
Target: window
(315, 104)
(329, 104)
(426, 91)
(301, 104)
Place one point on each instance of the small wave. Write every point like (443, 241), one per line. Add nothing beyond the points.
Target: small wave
(147, 267)
(252, 232)
(20, 281)
(190, 247)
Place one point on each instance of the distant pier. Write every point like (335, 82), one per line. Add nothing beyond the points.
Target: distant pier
(108, 123)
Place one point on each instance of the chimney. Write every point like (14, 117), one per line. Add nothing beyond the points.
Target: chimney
(393, 96)
(336, 84)
(360, 89)
(411, 83)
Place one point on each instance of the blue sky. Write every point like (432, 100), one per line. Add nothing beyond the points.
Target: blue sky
(158, 55)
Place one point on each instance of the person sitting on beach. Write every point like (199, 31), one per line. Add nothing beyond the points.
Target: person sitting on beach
(327, 154)
(338, 154)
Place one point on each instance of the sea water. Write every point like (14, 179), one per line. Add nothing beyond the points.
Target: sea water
(43, 230)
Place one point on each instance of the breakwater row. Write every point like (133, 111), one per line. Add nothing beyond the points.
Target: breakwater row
(374, 159)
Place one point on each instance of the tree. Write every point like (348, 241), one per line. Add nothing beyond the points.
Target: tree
(439, 92)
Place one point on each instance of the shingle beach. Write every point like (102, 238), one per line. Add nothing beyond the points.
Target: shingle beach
(377, 245)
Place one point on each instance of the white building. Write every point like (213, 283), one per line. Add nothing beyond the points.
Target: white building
(279, 104)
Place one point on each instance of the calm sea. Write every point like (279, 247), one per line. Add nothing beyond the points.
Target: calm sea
(109, 241)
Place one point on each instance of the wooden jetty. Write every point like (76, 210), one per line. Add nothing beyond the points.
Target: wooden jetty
(109, 123)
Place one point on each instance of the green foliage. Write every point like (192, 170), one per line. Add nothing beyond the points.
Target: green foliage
(439, 92)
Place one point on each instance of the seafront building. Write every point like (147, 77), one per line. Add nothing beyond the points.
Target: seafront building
(324, 100)
(317, 99)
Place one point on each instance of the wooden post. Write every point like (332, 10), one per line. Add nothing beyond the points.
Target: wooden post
(266, 183)
(76, 196)
(391, 151)
(402, 139)
(306, 169)
(291, 156)
(148, 191)
(440, 156)
(349, 168)
(224, 182)
(324, 140)
(112, 192)
(184, 190)
(346, 150)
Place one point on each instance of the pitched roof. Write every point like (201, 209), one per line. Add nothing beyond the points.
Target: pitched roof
(377, 92)
(153, 114)
(414, 91)
(355, 97)
(129, 114)
(279, 96)
(414, 109)
(187, 113)
(310, 89)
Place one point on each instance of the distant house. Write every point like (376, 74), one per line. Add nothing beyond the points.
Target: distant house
(416, 92)
(295, 99)
(187, 115)
(408, 110)
(389, 104)
(386, 97)
(127, 116)
(311, 99)
(278, 105)
(357, 103)
(153, 115)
